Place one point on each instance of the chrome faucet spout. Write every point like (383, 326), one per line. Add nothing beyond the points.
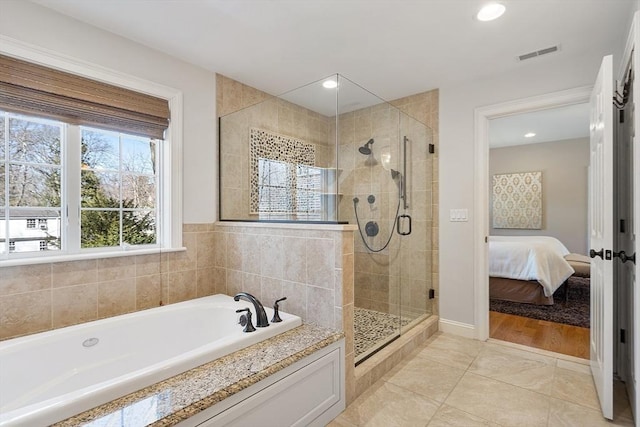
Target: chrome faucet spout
(261, 315)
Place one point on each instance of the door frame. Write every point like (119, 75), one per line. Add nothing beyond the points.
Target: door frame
(482, 115)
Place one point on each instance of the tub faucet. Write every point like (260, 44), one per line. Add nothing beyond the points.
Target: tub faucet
(261, 321)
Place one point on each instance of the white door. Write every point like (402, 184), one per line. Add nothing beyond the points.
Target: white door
(634, 334)
(601, 235)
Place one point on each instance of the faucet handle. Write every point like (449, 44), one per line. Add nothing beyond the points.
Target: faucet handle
(245, 320)
(276, 316)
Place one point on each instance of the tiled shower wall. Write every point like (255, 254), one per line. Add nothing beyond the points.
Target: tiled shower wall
(422, 265)
(297, 260)
(409, 262)
(267, 113)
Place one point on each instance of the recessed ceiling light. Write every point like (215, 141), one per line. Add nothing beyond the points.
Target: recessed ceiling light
(529, 135)
(490, 12)
(330, 84)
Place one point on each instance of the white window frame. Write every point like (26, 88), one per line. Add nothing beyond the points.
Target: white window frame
(169, 180)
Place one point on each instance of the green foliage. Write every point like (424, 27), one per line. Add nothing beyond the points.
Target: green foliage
(101, 227)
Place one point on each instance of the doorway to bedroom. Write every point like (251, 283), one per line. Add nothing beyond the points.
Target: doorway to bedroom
(538, 229)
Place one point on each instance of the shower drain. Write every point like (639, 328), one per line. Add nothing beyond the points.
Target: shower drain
(90, 342)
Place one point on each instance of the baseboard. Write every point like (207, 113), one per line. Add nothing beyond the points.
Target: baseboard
(457, 328)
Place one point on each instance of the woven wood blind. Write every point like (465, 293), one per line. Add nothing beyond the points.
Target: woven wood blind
(34, 89)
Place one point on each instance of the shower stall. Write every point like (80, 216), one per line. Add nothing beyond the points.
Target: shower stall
(332, 152)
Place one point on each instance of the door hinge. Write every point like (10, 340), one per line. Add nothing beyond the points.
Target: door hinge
(623, 336)
(621, 116)
(432, 293)
(432, 148)
(486, 239)
(622, 226)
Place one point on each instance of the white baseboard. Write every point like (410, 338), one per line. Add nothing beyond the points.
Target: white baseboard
(457, 328)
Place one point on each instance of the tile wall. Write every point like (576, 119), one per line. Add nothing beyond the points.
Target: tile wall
(266, 113)
(40, 297)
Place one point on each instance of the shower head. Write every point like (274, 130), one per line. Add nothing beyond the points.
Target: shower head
(366, 148)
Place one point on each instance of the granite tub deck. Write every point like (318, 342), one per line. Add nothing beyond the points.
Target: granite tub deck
(190, 392)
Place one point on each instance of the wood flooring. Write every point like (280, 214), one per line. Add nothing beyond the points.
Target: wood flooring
(556, 337)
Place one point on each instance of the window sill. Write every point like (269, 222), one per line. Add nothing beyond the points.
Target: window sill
(85, 256)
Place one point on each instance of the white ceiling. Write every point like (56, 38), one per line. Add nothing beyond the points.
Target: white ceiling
(556, 124)
(393, 48)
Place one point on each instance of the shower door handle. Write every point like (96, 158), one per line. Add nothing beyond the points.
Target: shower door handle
(403, 233)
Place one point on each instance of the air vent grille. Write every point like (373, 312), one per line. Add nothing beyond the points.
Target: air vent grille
(538, 53)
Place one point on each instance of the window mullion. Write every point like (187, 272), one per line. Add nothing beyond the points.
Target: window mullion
(72, 192)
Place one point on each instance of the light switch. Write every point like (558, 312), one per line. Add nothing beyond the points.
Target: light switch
(458, 215)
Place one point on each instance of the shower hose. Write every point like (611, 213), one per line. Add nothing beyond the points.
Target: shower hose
(355, 208)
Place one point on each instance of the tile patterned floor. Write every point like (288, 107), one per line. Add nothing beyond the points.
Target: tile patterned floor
(372, 326)
(453, 381)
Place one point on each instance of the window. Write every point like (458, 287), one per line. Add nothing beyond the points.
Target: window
(88, 195)
(48, 164)
(289, 188)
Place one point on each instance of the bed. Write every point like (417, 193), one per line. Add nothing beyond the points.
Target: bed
(527, 269)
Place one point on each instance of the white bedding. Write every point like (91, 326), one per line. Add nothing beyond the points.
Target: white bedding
(538, 258)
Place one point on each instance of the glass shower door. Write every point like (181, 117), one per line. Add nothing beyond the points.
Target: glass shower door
(415, 222)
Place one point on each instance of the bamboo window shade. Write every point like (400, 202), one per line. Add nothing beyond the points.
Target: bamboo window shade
(29, 88)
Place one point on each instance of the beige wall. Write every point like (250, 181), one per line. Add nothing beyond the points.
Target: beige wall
(398, 278)
(41, 297)
(564, 166)
(242, 108)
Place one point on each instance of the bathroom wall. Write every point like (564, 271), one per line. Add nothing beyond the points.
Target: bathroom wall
(400, 275)
(243, 108)
(51, 295)
(311, 265)
(564, 165)
(41, 297)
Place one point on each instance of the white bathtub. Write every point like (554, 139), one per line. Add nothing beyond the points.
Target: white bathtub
(50, 376)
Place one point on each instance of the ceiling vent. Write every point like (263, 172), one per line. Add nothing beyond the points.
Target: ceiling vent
(540, 52)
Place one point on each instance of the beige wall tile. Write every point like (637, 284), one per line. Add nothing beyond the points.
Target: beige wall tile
(250, 245)
(271, 290)
(116, 297)
(148, 291)
(25, 313)
(25, 278)
(296, 302)
(182, 286)
(206, 282)
(234, 253)
(320, 306)
(320, 262)
(220, 249)
(272, 254)
(74, 273)
(116, 268)
(184, 260)
(234, 279)
(74, 304)
(206, 250)
(295, 259)
(150, 264)
(220, 280)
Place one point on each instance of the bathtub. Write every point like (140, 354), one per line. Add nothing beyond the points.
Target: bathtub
(50, 376)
